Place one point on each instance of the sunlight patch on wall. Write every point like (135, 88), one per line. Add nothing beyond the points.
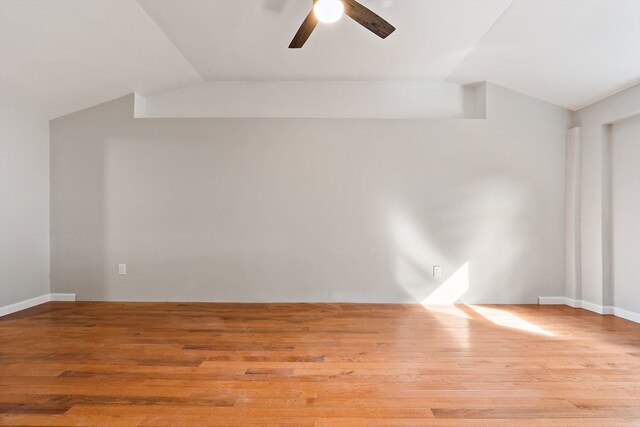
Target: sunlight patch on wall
(452, 289)
(508, 320)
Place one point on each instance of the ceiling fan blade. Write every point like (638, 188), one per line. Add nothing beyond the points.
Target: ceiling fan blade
(304, 31)
(367, 18)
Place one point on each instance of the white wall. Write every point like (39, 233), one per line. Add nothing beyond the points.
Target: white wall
(24, 206)
(315, 99)
(625, 213)
(310, 209)
(596, 123)
(573, 269)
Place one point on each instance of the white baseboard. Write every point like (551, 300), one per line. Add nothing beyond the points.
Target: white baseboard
(32, 302)
(572, 302)
(605, 310)
(600, 309)
(626, 314)
(22, 305)
(552, 300)
(63, 297)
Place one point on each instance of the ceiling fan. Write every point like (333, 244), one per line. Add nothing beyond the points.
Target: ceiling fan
(328, 11)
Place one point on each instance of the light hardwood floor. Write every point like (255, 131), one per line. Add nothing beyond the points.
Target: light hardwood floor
(172, 364)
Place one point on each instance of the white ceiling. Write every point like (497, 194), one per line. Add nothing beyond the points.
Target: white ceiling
(57, 57)
(567, 52)
(232, 40)
(60, 56)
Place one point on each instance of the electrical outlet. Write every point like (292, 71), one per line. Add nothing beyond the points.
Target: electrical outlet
(437, 271)
(122, 269)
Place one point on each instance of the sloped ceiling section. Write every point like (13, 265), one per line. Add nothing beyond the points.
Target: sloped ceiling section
(567, 52)
(57, 57)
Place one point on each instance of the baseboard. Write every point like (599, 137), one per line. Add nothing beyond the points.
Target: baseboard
(575, 303)
(23, 305)
(626, 314)
(63, 297)
(32, 302)
(596, 308)
(552, 300)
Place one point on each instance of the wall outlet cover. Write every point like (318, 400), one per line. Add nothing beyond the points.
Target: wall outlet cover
(437, 271)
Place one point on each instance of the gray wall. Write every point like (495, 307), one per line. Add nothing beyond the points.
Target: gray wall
(625, 213)
(596, 123)
(310, 210)
(24, 206)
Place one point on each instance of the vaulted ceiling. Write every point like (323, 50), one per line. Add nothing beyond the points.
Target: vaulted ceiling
(57, 57)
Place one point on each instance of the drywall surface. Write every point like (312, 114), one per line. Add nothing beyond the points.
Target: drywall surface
(24, 206)
(625, 213)
(315, 99)
(595, 125)
(310, 209)
(573, 260)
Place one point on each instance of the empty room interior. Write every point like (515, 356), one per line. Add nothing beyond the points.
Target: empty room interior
(320, 213)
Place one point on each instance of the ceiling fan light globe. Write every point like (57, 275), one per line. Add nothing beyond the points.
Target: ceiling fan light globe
(328, 11)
